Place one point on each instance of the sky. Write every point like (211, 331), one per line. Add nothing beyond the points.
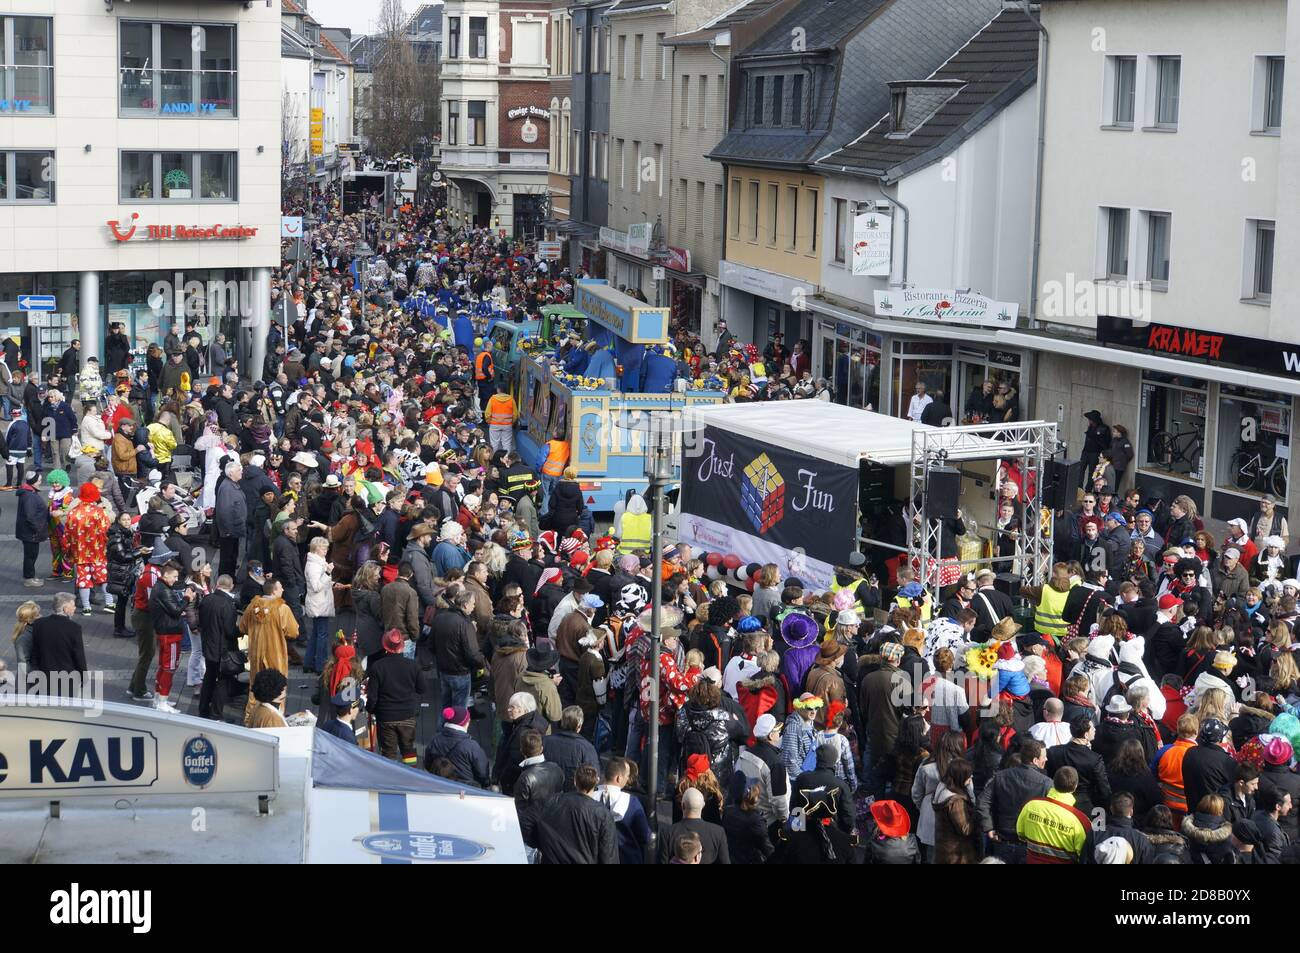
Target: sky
(359, 15)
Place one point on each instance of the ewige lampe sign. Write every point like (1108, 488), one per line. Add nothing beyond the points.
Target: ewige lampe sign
(132, 230)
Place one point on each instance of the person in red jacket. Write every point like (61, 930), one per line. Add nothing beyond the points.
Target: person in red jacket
(673, 686)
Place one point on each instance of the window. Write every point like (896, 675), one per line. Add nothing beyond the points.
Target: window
(778, 99)
(773, 212)
(594, 157)
(453, 38)
(686, 101)
(792, 236)
(638, 67)
(27, 177)
(607, 33)
(757, 110)
(659, 169)
(28, 70)
(1274, 71)
(1252, 453)
(575, 153)
(699, 209)
(636, 172)
(1117, 243)
(604, 162)
(622, 163)
(179, 176)
(593, 59)
(1158, 224)
(1171, 426)
(476, 113)
(796, 100)
(176, 69)
(717, 213)
(753, 209)
(680, 198)
(578, 48)
(704, 102)
(841, 227)
(1168, 73)
(622, 56)
(735, 208)
(813, 195)
(721, 87)
(453, 122)
(478, 39)
(664, 52)
(1262, 270)
(1123, 78)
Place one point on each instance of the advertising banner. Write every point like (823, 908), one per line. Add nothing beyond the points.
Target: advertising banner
(765, 504)
(873, 235)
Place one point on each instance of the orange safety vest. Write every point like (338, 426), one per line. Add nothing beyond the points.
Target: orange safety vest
(1169, 770)
(557, 455)
(501, 410)
(481, 374)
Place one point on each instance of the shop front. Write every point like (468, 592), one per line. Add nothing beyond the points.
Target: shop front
(756, 304)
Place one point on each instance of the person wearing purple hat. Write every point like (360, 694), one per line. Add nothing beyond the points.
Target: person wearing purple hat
(452, 741)
(800, 633)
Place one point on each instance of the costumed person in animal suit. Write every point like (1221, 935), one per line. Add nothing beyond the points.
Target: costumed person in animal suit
(86, 542)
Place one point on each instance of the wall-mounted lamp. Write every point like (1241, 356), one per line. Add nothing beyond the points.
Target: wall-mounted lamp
(261, 149)
(88, 147)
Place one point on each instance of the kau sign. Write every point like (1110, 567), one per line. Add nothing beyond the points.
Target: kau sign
(53, 750)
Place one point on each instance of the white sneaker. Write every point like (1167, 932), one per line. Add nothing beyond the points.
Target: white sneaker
(163, 704)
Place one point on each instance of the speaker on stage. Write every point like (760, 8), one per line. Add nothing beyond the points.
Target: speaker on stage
(1060, 478)
(1008, 583)
(942, 493)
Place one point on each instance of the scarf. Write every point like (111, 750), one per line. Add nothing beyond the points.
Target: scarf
(1083, 700)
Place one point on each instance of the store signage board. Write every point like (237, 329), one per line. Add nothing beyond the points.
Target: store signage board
(550, 251)
(1209, 347)
(132, 230)
(291, 226)
(872, 243)
(52, 749)
(946, 306)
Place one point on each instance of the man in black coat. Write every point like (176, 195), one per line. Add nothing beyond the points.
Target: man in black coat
(567, 748)
(219, 631)
(1094, 785)
(574, 829)
(1207, 768)
(231, 517)
(991, 606)
(1084, 603)
(453, 742)
(117, 349)
(286, 565)
(1006, 793)
(1164, 643)
(32, 527)
(455, 646)
(1280, 778)
(395, 684)
(539, 781)
(1119, 823)
(823, 778)
(58, 652)
(938, 413)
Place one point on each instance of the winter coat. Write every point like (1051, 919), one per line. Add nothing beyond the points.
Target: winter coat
(508, 662)
(166, 606)
(464, 753)
(956, 830)
(1094, 785)
(231, 511)
(570, 751)
(538, 783)
(319, 603)
(566, 506)
(762, 763)
(542, 688)
(1282, 778)
(893, 850)
(710, 731)
(631, 821)
(1229, 584)
(124, 560)
(762, 694)
(574, 829)
(455, 643)
(747, 840)
(506, 768)
(1004, 796)
(1207, 769)
(1168, 844)
(399, 608)
(925, 784)
(1209, 839)
(369, 621)
(32, 522)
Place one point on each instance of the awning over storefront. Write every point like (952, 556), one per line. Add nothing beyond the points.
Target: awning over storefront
(916, 328)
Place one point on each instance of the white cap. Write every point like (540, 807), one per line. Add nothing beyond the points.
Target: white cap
(764, 726)
(713, 675)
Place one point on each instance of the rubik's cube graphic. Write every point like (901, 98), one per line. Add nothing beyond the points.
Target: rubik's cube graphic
(762, 493)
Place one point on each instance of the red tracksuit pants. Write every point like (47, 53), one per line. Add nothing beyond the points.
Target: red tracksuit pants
(169, 657)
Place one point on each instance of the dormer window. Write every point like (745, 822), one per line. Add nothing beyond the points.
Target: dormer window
(911, 103)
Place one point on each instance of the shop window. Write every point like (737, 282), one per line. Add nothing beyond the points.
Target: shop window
(924, 362)
(177, 69)
(28, 67)
(1254, 433)
(1171, 435)
(179, 177)
(988, 387)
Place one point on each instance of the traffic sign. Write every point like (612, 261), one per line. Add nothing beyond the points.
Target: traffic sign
(550, 251)
(36, 303)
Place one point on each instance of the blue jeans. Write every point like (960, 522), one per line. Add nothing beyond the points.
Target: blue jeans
(318, 643)
(635, 732)
(868, 779)
(36, 452)
(453, 692)
(548, 484)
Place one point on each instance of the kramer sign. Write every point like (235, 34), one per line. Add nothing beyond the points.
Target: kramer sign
(164, 233)
(946, 306)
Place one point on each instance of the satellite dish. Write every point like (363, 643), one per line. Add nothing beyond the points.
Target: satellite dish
(156, 302)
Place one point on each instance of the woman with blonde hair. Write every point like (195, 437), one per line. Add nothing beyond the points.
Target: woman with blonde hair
(1285, 675)
(1216, 703)
(1182, 523)
(767, 591)
(1198, 656)
(25, 615)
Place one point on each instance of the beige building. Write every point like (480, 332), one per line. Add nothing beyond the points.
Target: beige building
(644, 123)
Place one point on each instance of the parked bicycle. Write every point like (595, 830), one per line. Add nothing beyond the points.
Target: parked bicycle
(1178, 445)
(1249, 472)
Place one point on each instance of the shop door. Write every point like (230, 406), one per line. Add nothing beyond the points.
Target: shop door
(936, 374)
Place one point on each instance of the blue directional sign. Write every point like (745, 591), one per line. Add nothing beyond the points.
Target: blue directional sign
(36, 303)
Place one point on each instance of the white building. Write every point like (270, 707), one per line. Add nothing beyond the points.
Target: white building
(143, 144)
(318, 97)
(1167, 174)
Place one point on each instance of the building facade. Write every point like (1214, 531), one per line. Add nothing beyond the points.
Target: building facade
(588, 117)
(560, 113)
(1155, 306)
(495, 121)
(142, 156)
(316, 117)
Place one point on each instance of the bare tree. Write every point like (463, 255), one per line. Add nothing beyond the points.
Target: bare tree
(395, 114)
(293, 151)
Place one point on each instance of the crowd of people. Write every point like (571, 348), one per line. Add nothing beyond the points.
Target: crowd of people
(358, 512)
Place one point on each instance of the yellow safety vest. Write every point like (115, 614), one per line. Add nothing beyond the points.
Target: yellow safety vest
(1048, 616)
(501, 410)
(636, 532)
(926, 608)
(557, 455)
